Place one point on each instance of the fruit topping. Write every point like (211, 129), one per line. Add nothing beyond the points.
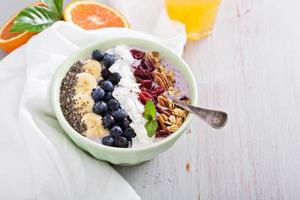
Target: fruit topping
(119, 115)
(142, 73)
(92, 67)
(125, 123)
(121, 142)
(108, 121)
(137, 54)
(156, 91)
(100, 108)
(98, 55)
(113, 104)
(98, 94)
(144, 96)
(94, 126)
(85, 83)
(147, 65)
(147, 84)
(108, 60)
(108, 141)
(116, 131)
(100, 81)
(108, 96)
(83, 103)
(105, 73)
(115, 78)
(107, 86)
(129, 133)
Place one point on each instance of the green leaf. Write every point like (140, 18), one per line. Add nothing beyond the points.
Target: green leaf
(34, 19)
(56, 6)
(150, 111)
(151, 127)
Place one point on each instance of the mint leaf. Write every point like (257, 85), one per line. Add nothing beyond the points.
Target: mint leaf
(151, 127)
(34, 19)
(56, 6)
(150, 111)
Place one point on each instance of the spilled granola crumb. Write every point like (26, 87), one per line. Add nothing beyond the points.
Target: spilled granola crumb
(188, 167)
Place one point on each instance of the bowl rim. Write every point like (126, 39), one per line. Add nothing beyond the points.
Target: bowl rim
(139, 43)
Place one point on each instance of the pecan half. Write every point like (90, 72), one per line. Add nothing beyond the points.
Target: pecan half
(164, 102)
(154, 58)
(162, 80)
(162, 118)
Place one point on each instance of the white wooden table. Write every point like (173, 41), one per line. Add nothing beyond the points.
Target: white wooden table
(249, 67)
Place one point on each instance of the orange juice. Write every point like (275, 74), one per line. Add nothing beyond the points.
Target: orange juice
(197, 15)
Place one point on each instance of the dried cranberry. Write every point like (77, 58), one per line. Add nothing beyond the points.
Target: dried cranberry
(143, 89)
(162, 133)
(138, 79)
(144, 97)
(146, 64)
(137, 54)
(157, 91)
(142, 74)
(146, 84)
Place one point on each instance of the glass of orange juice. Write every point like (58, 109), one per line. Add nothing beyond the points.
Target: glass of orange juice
(197, 15)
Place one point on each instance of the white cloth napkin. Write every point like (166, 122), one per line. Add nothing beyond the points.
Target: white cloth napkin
(38, 161)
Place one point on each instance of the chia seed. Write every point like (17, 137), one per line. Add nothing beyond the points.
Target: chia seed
(66, 98)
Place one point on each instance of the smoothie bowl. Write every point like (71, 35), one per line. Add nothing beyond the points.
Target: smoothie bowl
(114, 99)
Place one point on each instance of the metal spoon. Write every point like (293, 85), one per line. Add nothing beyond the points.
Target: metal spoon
(214, 118)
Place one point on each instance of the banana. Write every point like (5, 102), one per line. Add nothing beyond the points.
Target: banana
(85, 83)
(84, 103)
(93, 67)
(94, 126)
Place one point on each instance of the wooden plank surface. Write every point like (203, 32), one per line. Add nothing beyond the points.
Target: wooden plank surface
(249, 67)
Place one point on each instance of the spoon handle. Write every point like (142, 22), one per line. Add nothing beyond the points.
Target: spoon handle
(214, 118)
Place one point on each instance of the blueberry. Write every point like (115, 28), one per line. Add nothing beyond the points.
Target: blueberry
(115, 78)
(119, 115)
(108, 96)
(107, 86)
(100, 82)
(113, 104)
(108, 121)
(108, 60)
(105, 73)
(129, 133)
(98, 94)
(125, 123)
(98, 55)
(116, 131)
(121, 142)
(100, 107)
(108, 141)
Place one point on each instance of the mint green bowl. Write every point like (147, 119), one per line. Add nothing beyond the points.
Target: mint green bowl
(120, 156)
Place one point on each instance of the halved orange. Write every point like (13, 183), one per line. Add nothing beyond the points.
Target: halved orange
(93, 15)
(9, 41)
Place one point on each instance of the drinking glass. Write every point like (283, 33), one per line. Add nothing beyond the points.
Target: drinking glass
(197, 15)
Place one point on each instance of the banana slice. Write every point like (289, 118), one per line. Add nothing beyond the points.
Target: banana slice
(84, 103)
(85, 83)
(93, 67)
(94, 126)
